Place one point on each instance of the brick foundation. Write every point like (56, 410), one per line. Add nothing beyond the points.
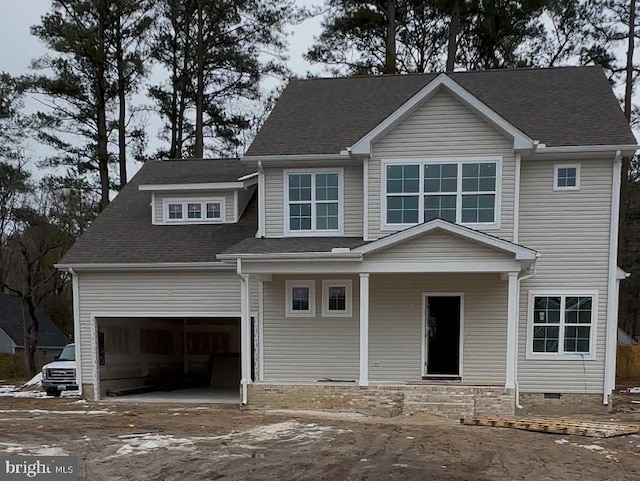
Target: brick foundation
(87, 392)
(452, 401)
(562, 404)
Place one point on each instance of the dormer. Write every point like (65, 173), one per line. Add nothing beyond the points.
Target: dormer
(200, 203)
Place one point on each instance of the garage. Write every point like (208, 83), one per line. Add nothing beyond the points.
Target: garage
(169, 359)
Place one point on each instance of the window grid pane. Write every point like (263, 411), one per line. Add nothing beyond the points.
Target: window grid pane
(561, 324)
(300, 217)
(403, 179)
(478, 208)
(567, 176)
(440, 178)
(440, 206)
(194, 211)
(213, 210)
(337, 298)
(299, 187)
(327, 216)
(402, 210)
(175, 211)
(326, 187)
(300, 299)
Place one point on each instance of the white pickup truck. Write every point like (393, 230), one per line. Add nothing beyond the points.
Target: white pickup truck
(60, 375)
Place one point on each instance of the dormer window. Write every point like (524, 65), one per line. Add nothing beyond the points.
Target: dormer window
(193, 211)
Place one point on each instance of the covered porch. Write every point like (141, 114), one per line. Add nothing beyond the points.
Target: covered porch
(429, 314)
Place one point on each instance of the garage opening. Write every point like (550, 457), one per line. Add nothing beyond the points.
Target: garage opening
(169, 359)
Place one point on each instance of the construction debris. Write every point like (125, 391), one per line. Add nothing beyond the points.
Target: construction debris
(557, 426)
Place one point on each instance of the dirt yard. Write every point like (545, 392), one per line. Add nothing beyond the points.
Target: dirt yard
(131, 442)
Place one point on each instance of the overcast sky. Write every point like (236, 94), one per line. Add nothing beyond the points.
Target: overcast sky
(18, 48)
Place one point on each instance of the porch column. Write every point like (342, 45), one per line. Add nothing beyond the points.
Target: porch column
(245, 330)
(512, 331)
(363, 379)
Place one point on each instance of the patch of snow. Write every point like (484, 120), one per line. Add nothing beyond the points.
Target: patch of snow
(634, 390)
(145, 443)
(30, 450)
(46, 411)
(35, 381)
(17, 392)
(48, 451)
(561, 441)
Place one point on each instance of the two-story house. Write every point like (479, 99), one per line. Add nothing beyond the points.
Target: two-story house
(442, 243)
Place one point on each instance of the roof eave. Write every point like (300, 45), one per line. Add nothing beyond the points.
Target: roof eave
(96, 267)
(293, 256)
(242, 183)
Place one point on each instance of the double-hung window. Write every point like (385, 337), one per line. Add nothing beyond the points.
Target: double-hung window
(300, 299)
(460, 191)
(561, 324)
(313, 202)
(336, 298)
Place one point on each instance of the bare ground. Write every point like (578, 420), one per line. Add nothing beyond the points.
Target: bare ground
(133, 442)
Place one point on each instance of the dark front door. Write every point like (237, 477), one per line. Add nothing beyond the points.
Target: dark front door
(443, 336)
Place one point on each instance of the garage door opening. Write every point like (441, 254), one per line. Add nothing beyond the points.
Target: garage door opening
(169, 359)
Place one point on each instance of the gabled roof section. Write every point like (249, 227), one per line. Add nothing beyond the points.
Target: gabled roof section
(520, 139)
(124, 233)
(11, 322)
(569, 106)
(520, 253)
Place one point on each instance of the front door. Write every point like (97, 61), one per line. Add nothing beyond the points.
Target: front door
(442, 336)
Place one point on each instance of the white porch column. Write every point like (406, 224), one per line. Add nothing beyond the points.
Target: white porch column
(245, 333)
(363, 379)
(512, 330)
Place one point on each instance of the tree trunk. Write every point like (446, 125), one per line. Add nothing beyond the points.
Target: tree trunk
(31, 336)
(122, 101)
(101, 111)
(198, 151)
(390, 44)
(454, 28)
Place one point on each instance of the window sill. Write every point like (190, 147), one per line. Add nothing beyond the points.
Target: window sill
(560, 356)
(314, 233)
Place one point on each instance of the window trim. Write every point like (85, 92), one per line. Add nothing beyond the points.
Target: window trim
(557, 167)
(288, 307)
(286, 206)
(348, 285)
(498, 160)
(203, 201)
(561, 355)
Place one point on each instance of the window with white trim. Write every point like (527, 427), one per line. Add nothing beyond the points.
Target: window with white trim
(562, 324)
(198, 211)
(300, 299)
(336, 298)
(313, 202)
(463, 192)
(566, 177)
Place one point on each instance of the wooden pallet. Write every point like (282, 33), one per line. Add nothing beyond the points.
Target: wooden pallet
(557, 426)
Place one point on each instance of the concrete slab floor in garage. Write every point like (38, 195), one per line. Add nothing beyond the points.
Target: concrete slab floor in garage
(203, 395)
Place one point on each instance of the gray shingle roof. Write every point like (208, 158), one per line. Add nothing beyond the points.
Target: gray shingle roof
(558, 107)
(11, 322)
(293, 244)
(123, 233)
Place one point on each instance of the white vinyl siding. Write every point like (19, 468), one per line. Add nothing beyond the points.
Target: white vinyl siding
(352, 201)
(443, 127)
(439, 247)
(227, 197)
(308, 349)
(571, 232)
(166, 292)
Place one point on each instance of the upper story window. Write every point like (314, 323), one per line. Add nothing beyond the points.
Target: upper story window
(561, 324)
(460, 191)
(313, 202)
(200, 211)
(566, 177)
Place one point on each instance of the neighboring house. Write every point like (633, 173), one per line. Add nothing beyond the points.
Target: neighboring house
(51, 339)
(442, 243)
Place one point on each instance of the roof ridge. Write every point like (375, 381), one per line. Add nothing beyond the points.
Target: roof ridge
(424, 74)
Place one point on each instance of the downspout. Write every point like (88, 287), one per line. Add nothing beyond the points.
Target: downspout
(516, 200)
(515, 361)
(244, 280)
(261, 202)
(75, 292)
(612, 295)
